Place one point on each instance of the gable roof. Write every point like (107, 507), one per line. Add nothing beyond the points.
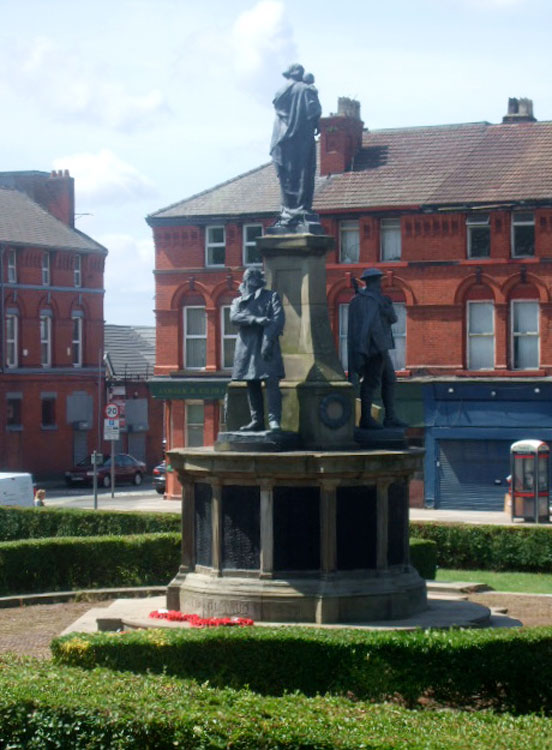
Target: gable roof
(426, 166)
(130, 351)
(24, 222)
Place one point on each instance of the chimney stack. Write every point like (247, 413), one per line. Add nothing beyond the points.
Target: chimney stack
(519, 110)
(340, 137)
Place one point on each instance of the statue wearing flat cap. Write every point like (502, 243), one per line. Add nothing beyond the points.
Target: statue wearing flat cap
(369, 339)
(293, 148)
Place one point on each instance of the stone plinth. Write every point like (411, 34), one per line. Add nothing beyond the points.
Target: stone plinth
(297, 536)
(317, 400)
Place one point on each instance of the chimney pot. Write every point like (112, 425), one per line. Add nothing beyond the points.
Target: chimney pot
(519, 110)
(348, 108)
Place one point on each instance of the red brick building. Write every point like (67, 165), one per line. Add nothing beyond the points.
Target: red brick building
(459, 219)
(51, 306)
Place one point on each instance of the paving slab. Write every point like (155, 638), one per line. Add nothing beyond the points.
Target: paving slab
(128, 614)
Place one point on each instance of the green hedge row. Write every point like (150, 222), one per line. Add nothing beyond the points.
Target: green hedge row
(72, 563)
(38, 523)
(46, 706)
(507, 670)
(423, 556)
(489, 547)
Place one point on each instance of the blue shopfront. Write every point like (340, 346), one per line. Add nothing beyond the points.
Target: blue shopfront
(469, 427)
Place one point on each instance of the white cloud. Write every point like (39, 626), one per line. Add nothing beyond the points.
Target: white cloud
(248, 55)
(71, 85)
(261, 40)
(103, 178)
(128, 279)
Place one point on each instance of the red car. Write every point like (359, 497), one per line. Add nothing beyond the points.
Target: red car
(127, 469)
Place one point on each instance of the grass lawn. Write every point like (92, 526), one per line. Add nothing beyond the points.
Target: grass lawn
(528, 583)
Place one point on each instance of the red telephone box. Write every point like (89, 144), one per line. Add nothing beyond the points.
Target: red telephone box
(530, 461)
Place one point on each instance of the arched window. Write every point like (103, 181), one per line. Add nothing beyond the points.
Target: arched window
(195, 335)
(481, 334)
(524, 328)
(398, 354)
(12, 338)
(45, 323)
(228, 335)
(77, 322)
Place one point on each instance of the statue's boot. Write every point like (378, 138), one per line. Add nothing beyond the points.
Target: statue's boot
(388, 397)
(274, 404)
(256, 408)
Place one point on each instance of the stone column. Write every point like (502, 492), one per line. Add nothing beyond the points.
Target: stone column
(216, 528)
(267, 531)
(382, 522)
(328, 538)
(188, 527)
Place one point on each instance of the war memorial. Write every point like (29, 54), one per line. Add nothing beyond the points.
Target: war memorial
(300, 515)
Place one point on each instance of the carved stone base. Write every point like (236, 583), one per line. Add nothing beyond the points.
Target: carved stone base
(338, 598)
(269, 440)
(389, 438)
(296, 536)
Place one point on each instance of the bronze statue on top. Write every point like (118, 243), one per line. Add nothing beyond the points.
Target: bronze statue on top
(369, 339)
(293, 151)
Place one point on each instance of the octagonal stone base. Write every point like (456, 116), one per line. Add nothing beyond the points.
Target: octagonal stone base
(298, 536)
(334, 599)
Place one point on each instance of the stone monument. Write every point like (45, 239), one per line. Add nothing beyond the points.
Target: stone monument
(298, 524)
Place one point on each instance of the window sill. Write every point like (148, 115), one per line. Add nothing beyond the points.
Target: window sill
(48, 427)
(14, 428)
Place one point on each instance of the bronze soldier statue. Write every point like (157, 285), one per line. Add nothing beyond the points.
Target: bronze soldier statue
(293, 148)
(369, 339)
(259, 316)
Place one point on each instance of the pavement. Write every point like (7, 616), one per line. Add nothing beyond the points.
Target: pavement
(146, 499)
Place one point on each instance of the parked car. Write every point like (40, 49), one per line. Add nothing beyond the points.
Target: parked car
(127, 469)
(160, 477)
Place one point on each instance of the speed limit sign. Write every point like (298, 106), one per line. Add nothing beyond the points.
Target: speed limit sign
(111, 411)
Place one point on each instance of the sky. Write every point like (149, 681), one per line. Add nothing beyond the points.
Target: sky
(147, 102)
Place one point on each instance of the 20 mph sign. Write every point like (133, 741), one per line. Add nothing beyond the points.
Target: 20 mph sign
(111, 411)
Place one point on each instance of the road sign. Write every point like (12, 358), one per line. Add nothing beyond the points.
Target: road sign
(111, 411)
(111, 429)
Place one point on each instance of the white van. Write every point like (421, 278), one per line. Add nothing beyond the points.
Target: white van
(16, 489)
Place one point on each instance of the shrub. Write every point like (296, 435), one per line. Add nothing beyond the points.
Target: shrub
(69, 563)
(507, 669)
(35, 523)
(47, 706)
(489, 547)
(423, 557)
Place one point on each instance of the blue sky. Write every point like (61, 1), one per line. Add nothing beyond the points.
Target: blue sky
(149, 101)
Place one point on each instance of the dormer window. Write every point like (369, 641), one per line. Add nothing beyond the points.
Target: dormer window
(77, 271)
(12, 267)
(215, 246)
(390, 234)
(523, 234)
(349, 242)
(45, 269)
(479, 235)
(251, 255)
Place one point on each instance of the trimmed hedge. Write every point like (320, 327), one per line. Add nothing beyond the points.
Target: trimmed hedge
(39, 523)
(507, 670)
(423, 557)
(69, 563)
(44, 706)
(489, 547)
